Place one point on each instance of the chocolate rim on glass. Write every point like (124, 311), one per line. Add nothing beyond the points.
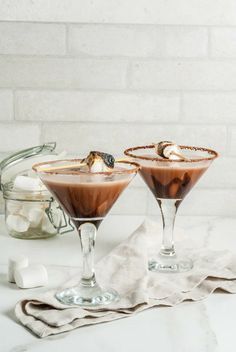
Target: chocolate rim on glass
(170, 180)
(86, 197)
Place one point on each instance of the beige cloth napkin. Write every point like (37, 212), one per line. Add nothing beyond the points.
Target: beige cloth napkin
(125, 269)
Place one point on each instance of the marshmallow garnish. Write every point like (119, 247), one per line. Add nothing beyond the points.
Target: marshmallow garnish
(169, 150)
(99, 161)
(95, 162)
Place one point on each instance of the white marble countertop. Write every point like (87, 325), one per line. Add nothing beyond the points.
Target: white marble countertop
(204, 326)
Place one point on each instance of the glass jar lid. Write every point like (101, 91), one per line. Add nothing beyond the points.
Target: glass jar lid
(20, 163)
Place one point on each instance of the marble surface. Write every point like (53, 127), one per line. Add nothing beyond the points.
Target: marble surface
(206, 326)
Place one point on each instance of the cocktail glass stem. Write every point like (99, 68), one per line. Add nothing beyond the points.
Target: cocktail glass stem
(87, 234)
(88, 291)
(169, 209)
(167, 259)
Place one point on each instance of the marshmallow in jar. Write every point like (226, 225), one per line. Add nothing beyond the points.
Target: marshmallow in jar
(27, 208)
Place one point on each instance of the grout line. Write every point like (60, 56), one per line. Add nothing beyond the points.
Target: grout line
(67, 40)
(163, 123)
(181, 108)
(129, 74)
(228, 139)
(41, 134)
(125, 90)
(119, 24)
(122, 58)
(209, 42)
(14, 104)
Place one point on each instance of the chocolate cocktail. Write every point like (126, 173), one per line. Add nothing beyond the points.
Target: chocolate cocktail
(170, 171)
(87, 189)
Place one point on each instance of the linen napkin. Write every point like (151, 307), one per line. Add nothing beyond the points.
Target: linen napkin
(125, 270)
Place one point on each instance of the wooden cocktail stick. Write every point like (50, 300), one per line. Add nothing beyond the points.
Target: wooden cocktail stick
(55, 168)
(160, 150)
(180, 156)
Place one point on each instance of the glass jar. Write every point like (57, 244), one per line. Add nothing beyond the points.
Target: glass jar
(30, 214)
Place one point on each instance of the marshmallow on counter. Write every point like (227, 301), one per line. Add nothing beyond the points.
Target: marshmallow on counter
(17, 223)
(32, 276)
(14, 263)
(26, 183)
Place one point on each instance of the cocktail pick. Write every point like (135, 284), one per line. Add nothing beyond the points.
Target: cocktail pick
(104, 159)
(71, 166)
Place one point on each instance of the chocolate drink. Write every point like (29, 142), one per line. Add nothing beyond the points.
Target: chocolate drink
(171, 182)
(86, 200)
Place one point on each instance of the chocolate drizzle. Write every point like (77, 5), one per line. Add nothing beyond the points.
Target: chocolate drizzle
(172, 184)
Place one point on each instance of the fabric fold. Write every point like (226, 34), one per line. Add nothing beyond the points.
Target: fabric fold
(125, 270)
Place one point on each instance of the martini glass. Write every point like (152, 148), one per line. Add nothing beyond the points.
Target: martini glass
(86, 197)
(170, 181)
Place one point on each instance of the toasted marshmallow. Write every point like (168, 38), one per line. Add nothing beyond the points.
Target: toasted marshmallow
(99, 166)
(99, 161)
(172, 152)
(169, 150)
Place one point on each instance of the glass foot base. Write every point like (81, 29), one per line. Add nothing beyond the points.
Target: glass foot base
(87, 296)
(170, 264)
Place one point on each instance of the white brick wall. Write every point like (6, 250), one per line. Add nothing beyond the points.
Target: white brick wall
(96, 106)
(139, 41)
(14, 136)
(79, 137)
(6, 105)
(120, 73)
(182, 74)
(210, 107)
(188, 12)
(32, 39)
(45, 72)
(223, 42)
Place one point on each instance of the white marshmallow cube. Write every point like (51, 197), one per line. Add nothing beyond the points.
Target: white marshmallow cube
(32, 276)
(35, 216)
(33, 213)
(17, 223)
(13, 207)
(27, 183)
(14, 263)
(99, 166)
(172, 152)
